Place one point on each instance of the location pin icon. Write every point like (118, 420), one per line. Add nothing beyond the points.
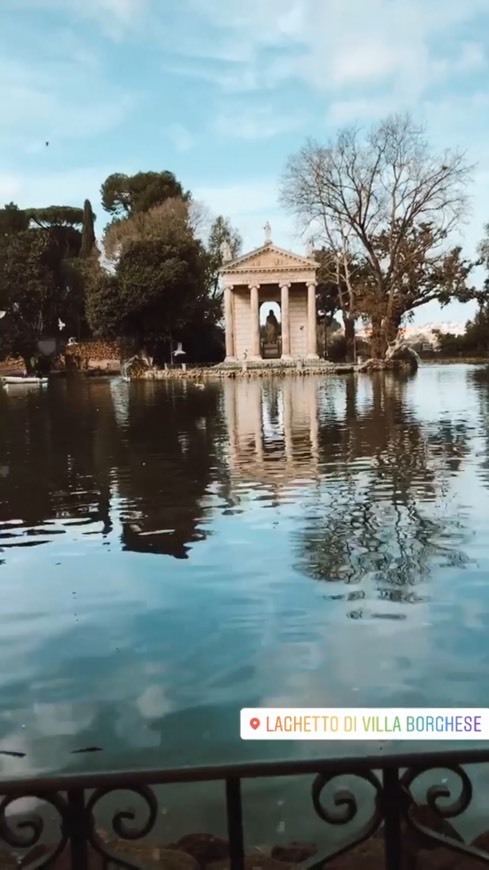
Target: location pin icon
(255, 723)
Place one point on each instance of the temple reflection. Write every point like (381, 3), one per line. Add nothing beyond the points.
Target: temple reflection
(273, 429)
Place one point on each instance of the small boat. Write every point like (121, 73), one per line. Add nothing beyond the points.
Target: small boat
(19, 380)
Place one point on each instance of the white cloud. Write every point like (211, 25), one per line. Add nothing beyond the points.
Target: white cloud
(405, 45)
(343, 112)
(249, 205)
(237, 122)
(472, 57)
(116, 18)
(70, 187)
(61, 99)
(246, 197)
(181, 138)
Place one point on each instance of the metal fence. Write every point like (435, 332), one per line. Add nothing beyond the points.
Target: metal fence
(395, 811)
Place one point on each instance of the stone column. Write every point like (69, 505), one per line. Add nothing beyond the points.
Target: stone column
(255, 322)
(312, 348)
(284, 316)
(228, 321)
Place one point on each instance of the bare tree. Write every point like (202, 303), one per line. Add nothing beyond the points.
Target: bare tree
(385, 206)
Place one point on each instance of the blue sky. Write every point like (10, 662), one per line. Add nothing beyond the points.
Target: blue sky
(222, 91)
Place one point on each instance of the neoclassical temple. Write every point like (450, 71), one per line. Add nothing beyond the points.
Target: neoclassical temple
(270, 274)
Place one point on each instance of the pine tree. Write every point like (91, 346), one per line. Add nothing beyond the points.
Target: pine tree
(88, 231)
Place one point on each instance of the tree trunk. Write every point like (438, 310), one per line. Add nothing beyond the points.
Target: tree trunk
(29, 363)
(391, 325)
(378, 344)
(391, 328)
(349, 324)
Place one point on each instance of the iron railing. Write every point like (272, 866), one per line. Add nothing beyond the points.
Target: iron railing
(394, 817)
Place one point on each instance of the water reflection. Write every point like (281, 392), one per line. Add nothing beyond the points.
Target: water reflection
(170, 452)
(169, 554)
(479, 381)
(273, 430)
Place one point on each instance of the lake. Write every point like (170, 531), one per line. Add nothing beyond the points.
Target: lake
(170, 554)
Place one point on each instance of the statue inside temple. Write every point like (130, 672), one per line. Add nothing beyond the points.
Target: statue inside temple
(271, 328)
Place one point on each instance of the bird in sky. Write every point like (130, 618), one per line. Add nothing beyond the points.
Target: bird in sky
(61, 325)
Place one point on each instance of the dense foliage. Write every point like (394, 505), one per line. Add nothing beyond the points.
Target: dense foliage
(155, 281)
(473, 343)
(161, 282)
(30, 290)
(125, 195)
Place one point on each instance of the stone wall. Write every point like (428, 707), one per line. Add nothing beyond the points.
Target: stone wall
(93, 355)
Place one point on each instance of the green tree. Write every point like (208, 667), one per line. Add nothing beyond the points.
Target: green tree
(157, 287)
(157, 282)
(13, 219)
(475, 340)
(125, 195)
(103, 300)
(30, 290)
(88, 230)
(64, 224)
(56, 216)
(221, 233)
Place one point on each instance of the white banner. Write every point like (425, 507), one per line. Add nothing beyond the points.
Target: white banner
(368, 723)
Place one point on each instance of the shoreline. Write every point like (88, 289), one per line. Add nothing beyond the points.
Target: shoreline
(222, 371)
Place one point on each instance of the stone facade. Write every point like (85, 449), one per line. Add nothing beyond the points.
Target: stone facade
(270, 274)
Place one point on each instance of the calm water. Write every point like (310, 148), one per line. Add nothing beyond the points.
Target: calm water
(170, 554)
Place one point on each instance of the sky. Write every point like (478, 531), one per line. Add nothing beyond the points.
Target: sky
(221, 92)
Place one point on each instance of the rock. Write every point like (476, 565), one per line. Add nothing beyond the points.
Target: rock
(205, 848)
(376, 365)
(482, 842)
(414, 841)
(436, 859)
(294, 853)
(255, 861)
(63, 862)
(174, 859)
(9, 862)
(445, 859)
(402, 353)
(368, 856)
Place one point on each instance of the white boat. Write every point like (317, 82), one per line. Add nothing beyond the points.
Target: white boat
(19, 380)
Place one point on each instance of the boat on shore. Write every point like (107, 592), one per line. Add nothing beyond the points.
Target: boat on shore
(19, 380)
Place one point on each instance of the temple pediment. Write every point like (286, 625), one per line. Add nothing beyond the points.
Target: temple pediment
(269, 258)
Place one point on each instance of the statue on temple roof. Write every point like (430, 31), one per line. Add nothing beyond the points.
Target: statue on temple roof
(226, 252)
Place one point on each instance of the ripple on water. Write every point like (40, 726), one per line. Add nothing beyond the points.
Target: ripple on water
(207, 550)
